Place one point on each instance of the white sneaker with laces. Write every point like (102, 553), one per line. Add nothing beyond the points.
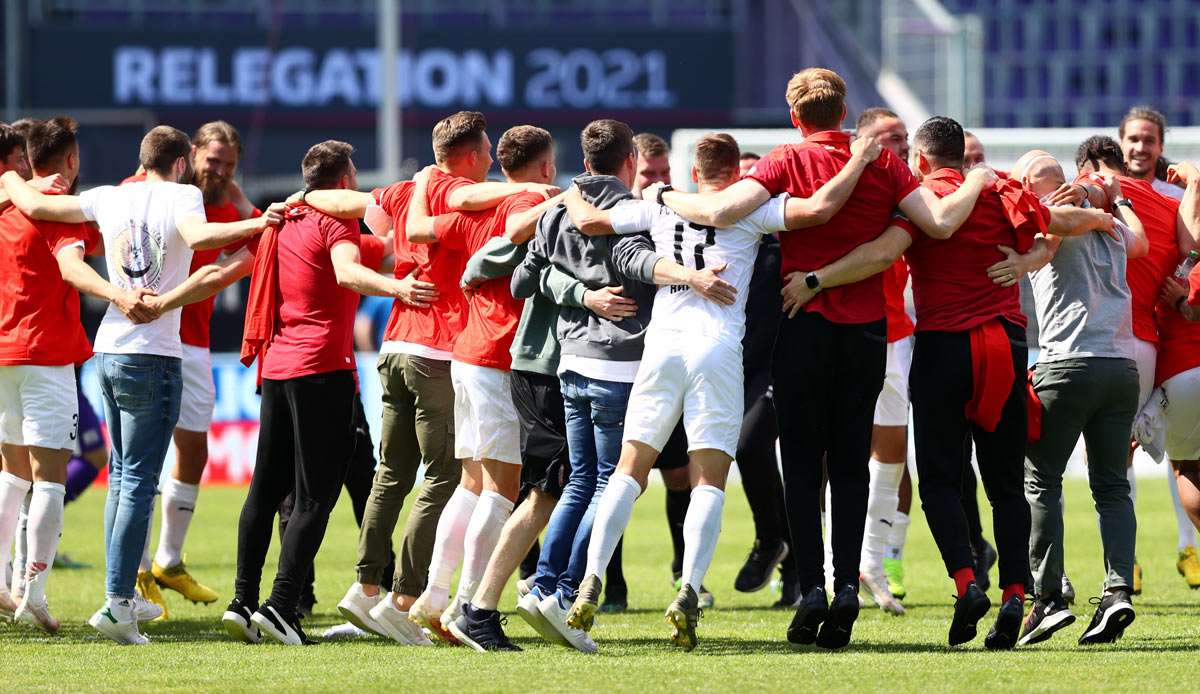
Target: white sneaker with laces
(878, 588)
(356, 608)
(115, 620)
(38, 615)
(556, 615)
(529, 607)
(396, 625)
(144, 610)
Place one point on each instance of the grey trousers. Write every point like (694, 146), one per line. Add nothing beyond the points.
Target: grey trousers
(1098, 398)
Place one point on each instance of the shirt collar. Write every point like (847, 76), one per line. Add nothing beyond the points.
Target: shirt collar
(835, 138)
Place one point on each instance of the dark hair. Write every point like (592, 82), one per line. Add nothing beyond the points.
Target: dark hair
(1100, 149)
(941, 139)
(218, 131)
(454, 132)
(23, 126)
(650, 145)
(717, 157)
(521, 145)
(51, 140)
(1144, 113)
(873, 114)
(325, 163)
(10, 139)
(161, 147)
(606, 145)
(750, 155)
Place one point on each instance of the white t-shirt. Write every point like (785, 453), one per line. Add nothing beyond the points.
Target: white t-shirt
(680, 308)
(1168, 189)
(140, 226)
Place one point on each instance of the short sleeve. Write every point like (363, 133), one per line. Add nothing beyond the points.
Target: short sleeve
(633, 216)
(60, 236)
(902, 177)
(371, 248)
(339, 230)
(189, 203)
(899, 220)
(90, 201)
(769, 217)
(440, 188)
(771, 171)
(393, 197)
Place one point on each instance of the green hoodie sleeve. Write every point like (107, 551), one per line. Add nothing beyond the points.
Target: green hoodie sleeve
(562, 288)
(497, 258)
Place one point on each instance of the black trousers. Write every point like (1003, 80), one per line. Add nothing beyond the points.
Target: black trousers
(759, 467)
(359, 478)
(941, 382)
(305, 442)
(827, 379)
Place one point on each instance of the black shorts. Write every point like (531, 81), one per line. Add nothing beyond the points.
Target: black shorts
(539, 402)
(674, 455)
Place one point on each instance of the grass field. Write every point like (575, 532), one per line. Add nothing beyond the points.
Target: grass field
(742, 640)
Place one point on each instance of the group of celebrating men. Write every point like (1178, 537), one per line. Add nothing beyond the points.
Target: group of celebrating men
(548, 348)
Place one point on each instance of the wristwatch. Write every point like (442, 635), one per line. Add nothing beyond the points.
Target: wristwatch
(812, 281)
(1126, 202)
(662, 189)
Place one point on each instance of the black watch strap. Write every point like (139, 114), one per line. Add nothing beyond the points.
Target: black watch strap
(662, 189)
(812, 281)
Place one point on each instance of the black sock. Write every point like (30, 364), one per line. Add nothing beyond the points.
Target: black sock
(677, 507)
(614, 579)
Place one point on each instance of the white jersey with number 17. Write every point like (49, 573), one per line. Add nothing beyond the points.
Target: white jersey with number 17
(678, 307)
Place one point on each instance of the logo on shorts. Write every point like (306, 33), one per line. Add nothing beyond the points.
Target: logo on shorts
(137, 256)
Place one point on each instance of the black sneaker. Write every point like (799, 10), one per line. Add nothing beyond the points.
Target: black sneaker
(1003, 636)
(1045, 618)
(813, 609)
(482, 630)
(789, 589)
(279, 626)
(968, 610)
(1114, 612)
(985, 559)
(236, 621)
(756, 572)
(836, 629)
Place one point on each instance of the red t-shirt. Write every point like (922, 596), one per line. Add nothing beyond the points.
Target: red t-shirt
(39, 311)
(1146, 275)
(895, 278)
(438, 325)
(1179, 349)
(315, 325)
(801, 169)
(195, 320)
(492, 312)
(951, 288)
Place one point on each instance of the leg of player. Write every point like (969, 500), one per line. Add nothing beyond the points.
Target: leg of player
(49, 466)
(893, 560)
(427, 609)
(889, 451)
(701, 529)
(759, 468)
(501, 484)
(178, 508)
(15, 483)
(1187, 479)
(1188, 563)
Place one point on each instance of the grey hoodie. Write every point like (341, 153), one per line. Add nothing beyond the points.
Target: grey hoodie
(593, 262)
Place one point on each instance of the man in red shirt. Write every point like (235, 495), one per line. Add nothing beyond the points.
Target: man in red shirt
(41, 342)
(968, 363)
(308, 387)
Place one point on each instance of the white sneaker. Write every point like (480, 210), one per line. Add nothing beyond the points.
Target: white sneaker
(8, 607)
(556, 616)
(344, 632)
(37, 615)
(396, 625)
(528, 608)
(877, 586)
(272, 624)
(453, 611)
(144, 610)
(116, 621)
(524, 585)
(356, 608)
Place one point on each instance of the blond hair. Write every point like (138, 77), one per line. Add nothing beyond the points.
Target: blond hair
(817, 97)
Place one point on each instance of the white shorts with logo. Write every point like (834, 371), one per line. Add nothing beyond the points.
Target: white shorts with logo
(199, 394)
(485, 419)
(39, 406)
(891, 409)
(1183, 415)
(1145, 355)
(696, 377)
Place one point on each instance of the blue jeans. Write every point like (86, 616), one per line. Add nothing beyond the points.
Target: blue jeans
(141, 404)
(595, 417)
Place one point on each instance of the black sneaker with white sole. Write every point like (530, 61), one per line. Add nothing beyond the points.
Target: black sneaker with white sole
(813, 609)
(1004, 633)
(482, 630)
(278, 626)
(1114, 613)
(755, 574)
(236, 621)
(968, 610)
(839, 623)
(1044, 619)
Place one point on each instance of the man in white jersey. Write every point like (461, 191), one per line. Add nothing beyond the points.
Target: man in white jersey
(692, 364)
(150, 230)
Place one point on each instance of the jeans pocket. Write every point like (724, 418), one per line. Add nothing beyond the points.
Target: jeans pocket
(133, 385)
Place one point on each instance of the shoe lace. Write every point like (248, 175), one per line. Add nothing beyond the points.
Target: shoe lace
(1095, 600)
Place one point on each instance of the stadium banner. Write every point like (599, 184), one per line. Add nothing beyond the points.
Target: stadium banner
(233, 436)
(687, 72)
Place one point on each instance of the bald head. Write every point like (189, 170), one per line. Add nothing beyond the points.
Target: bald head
(1043, 175)
(1018, 170)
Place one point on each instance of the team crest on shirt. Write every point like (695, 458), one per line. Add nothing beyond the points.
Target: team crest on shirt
(136, 259)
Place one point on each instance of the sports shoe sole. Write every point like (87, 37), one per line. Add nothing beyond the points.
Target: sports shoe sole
(1048, 627)
(463, 638)
(780, 556)
(267, 628)
(1111, 627)
(96, 621)
(434, 626)
(684, 635)
(236, 626)
(527, 607)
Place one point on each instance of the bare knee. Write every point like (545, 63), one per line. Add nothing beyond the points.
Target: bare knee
(191, 455)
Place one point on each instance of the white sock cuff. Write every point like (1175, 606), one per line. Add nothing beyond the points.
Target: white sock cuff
(12, 480)
(53, 488)
(708, 490)
(621, 479)
(498, 500)
(888, 473)
(181, 491)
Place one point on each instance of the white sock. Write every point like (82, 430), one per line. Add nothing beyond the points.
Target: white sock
(899, 535)
(1132, 484)
(145, 565)
(45, 528)
(483, 532)
(21, 546)
(827, 538)
(121, 608)
(12, 495)
(1187, 532)
(881, 507)
(612, 515)
(701, 528)
(448, 545)
(178, 505)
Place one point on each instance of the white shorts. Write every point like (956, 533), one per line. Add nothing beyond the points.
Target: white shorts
(1183, 415)
(891, 409)
(39, 406)
(199, 393)
(1145, 355)
(693, 376)
(485, 419)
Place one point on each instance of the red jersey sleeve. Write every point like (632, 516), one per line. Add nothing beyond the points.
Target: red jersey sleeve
(453, 230)
(439, 190)
(59, 236)
(899, 220)
(390, 198)
(770, 172)
(902, 177)
(371, 249)
(338, 230)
